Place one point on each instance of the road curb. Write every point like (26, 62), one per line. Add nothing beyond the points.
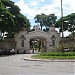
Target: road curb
(50, 60)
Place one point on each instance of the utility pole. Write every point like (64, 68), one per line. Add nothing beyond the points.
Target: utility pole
(62, 17)
(62, 27)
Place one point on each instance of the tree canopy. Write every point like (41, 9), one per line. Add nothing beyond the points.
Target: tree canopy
(11, 20)
(68, 23)
(45, 20)
(51, 19)
(39, 19)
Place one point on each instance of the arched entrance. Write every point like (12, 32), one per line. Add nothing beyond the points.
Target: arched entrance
(39, 40)
(38, 44)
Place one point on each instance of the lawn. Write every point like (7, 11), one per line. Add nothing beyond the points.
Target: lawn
(55, 55)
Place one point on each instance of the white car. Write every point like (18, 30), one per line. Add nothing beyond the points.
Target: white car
(12, 51)
(66, 49)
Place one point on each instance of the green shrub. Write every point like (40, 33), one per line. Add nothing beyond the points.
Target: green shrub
(57, 54)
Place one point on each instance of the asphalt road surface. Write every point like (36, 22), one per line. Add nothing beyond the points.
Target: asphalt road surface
(15, 65)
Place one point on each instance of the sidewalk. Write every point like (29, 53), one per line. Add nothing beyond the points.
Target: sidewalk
(28, 58)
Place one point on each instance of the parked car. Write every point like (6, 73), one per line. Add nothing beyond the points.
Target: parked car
(66, 49)
(5, 52)
(12, 51)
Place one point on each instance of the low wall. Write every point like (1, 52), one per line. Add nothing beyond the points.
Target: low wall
(8, 43)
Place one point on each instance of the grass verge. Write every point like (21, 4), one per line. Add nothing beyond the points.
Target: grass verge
(55, 55)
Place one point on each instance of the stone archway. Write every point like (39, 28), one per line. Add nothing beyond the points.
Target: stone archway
(48, 40)
(41, 43)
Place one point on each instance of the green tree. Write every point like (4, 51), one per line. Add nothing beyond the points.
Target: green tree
(51, 19)
(45, 20)
(68, 23)
(11, 20)
(5, 18)
(39, 19)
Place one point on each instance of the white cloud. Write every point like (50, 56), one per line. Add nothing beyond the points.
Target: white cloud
(32, 8)
(24, 8)
(33, 3)
(38, 0)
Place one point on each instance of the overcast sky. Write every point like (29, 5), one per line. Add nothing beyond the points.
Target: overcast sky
(31, 8)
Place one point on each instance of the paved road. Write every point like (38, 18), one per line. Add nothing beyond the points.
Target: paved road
(15, 65)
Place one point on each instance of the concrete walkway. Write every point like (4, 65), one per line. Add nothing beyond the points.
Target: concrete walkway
(28, 58)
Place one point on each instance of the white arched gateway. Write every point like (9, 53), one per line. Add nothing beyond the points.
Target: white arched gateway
(48, 39)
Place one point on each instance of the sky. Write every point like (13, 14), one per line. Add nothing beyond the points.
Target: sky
(31, 8)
